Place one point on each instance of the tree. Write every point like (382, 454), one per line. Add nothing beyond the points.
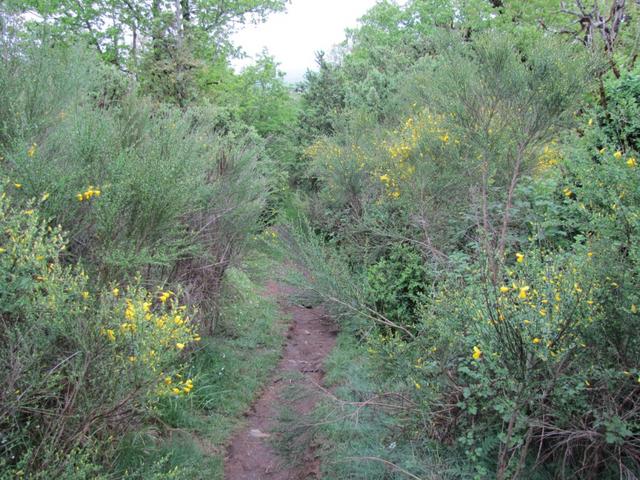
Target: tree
(119, 28)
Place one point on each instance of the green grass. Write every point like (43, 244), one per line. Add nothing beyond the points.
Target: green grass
(357, 440)
(229, 371)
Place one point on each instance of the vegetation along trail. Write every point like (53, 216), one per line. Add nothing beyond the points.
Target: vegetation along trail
(454, 187)
(310, 338)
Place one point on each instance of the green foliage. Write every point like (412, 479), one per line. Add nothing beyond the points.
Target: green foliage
(445, 171)
(230, 369)
(522, 357)
(150, 197)
(139, 188)
(79, 359)
(618, 121)
(396, 284)
(206, 24)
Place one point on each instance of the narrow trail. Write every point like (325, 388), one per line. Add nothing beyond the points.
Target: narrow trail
(310, 338)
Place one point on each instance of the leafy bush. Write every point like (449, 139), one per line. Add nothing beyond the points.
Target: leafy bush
(618, 120)
(83, 364)
(396, 284)
(530, 374)
(141, 188)
(522, 357)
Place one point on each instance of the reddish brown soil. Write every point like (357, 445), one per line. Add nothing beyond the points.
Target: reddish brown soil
(310, 338)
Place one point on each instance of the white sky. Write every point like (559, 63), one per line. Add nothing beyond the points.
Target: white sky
(294, 36)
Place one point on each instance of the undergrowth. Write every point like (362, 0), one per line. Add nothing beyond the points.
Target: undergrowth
(229, 369)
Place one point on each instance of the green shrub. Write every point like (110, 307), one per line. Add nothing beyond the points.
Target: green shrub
(523, 357)
(618, 122)
(141, 188)
(83, 364)
(396, 284)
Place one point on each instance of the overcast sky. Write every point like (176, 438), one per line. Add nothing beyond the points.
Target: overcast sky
(294, 36)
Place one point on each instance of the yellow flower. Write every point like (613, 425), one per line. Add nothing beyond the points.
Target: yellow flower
(164, 296)
(17, 185)
(111, 335)
(167, 380)
(504, 289)
(617, 154)
(130, 311)
(601, 151)
(32, 150)
(176, 390)
(132, 358)
(80, 197)
(520, 257)
(590, 123)
(477, 353)
(115, 291)
(196, 338)
(179, 346)
(418, 386)
(146, 306)
(590, 254)
(536, 340)
(631, 163)
(44, 197)
(85, 295)
(385, 178)
(523, 292)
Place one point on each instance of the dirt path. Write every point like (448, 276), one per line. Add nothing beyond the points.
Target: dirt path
(310, 338)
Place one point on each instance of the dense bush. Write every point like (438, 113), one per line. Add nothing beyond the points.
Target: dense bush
(83, 363)
(141, 188)
(522, 357)
(152, 200)
(397, 284)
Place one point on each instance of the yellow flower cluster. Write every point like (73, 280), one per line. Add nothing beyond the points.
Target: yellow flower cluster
(543, 311)
(549, 157)
(88, 194)
(391, 185)
(323, 148)
(269, 234)
(477, 353)
(178, 386)
(403, 149)
(150, 331)
(164, 296)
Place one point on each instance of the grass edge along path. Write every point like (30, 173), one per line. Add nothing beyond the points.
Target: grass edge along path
(229, 370)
